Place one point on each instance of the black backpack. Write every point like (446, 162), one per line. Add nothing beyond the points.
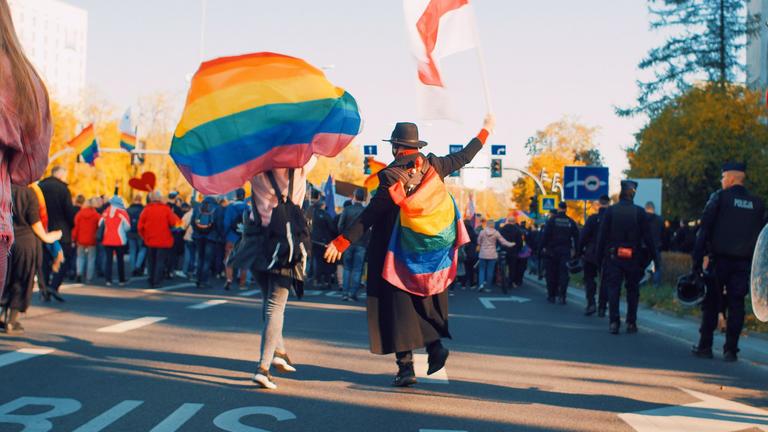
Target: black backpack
(205, 219)
(287, 239)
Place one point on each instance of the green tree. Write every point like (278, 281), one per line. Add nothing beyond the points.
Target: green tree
(688, 141)
(707, 45)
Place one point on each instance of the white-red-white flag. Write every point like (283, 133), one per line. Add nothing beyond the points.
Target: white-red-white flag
(436, 29)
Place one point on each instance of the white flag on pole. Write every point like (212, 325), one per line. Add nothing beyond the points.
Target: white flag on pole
(437, 29)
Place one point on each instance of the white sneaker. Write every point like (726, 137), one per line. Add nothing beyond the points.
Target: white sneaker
(283, 364)
(264, 380)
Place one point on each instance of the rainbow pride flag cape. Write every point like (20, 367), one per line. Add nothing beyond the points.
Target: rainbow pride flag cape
(248, 114)
(423, 250)
(127, 142)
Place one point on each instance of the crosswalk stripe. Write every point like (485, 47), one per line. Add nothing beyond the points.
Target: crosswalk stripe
(421, 366)
(251, 293)
(110, 416)
(169, 288)
(207, 304)
(23, 354)
(130, 325)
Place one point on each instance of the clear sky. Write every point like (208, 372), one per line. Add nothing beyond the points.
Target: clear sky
(545, 59)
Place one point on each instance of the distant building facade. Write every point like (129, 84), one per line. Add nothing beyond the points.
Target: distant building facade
(54, 36)
(757, 49)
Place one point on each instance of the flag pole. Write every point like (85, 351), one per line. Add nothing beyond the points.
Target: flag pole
(483, 69)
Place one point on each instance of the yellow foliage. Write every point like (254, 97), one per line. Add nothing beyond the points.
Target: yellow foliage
(346, 166)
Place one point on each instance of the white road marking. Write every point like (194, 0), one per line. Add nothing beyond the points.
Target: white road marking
(313, 292)
(251, 293)
(110, 416)
(441, 430)
(176, 420)
(130, 325)
(710, 414)
(169, 288)
(420, 366)
(488, 301)
(207, 304)
(23, 354)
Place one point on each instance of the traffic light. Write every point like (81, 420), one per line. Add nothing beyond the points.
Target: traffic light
(496, 168)
(367, 165)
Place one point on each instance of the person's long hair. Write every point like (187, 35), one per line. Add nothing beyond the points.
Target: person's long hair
(27, 103)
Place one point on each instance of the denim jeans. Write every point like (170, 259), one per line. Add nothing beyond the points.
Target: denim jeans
(205, 255)
(189, 258)
(275, 290)
(487, 268)
(137, 252)
(86, 262)
(354, 258)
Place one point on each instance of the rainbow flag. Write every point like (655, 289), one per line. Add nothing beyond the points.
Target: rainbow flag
(127, 142)
(248, 114)
(90, 153)
(371, 182)
(423, 250)
(83, 140)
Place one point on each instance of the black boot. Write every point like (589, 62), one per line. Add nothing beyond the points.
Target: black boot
(614, 327)
(601, 312)
(591, 309)
(702, 352)
(406, 376)
(437, 357)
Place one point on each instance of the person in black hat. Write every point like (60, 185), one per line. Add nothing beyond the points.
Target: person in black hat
(623, 245)
(730, 225)
(399, 322)
(588, 250)
(558, 245)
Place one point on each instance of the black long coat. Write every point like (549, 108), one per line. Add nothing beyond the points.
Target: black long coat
(58, 202)
(399, 321)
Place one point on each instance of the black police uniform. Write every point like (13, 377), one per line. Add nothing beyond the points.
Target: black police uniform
(588, 249)
(730, 225)
(625, 242)
(558, 240)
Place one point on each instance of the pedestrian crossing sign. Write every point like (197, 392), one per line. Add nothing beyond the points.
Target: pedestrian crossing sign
(548, 203)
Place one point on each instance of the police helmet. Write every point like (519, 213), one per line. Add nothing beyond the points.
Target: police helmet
(690, 290)
(575, 265)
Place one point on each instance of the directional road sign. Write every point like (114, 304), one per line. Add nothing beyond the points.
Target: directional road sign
(585, 183)
(370, 150)
(499, 150)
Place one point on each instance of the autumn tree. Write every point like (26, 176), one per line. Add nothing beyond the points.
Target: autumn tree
(563, 143)
(707, 45)
(688, 141)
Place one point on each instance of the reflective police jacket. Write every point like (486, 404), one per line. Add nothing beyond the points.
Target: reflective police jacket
(730, 224)
(625, 225)
(560, 234)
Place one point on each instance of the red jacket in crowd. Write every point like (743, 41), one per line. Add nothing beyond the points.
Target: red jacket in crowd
(86, 225)
(155, 224)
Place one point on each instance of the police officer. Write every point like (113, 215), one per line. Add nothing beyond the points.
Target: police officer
(558, 243)
(588, 249)
(730, 225)
(624, 244)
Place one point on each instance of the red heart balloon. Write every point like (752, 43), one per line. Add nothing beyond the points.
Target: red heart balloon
(146, 183)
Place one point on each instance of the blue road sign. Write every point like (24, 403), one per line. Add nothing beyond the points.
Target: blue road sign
(585, 183)
(370, 150)
(499, 150)
(455, 148)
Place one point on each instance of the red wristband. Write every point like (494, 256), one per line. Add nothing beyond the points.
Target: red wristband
(483, 135)
(340, 243)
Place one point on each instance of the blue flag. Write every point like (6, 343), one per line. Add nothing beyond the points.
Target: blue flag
(330, 196)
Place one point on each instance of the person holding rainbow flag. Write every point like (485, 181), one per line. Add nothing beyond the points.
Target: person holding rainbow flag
(416, 232)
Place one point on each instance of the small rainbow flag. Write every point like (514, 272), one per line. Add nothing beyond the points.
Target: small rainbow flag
(127, 142)
(83, 140)
(90, 153)
(423, 251)
(251, 113)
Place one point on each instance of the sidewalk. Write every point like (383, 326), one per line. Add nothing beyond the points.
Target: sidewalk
(682, 329)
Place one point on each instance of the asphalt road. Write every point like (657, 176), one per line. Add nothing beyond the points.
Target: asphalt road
(130, 359)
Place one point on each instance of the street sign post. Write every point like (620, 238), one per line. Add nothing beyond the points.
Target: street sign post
(455, 148)
(370, 150)
(498, 150)
(547, 203)
(584, 183)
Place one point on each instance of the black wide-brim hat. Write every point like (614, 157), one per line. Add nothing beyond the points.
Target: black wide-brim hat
(406, 135)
